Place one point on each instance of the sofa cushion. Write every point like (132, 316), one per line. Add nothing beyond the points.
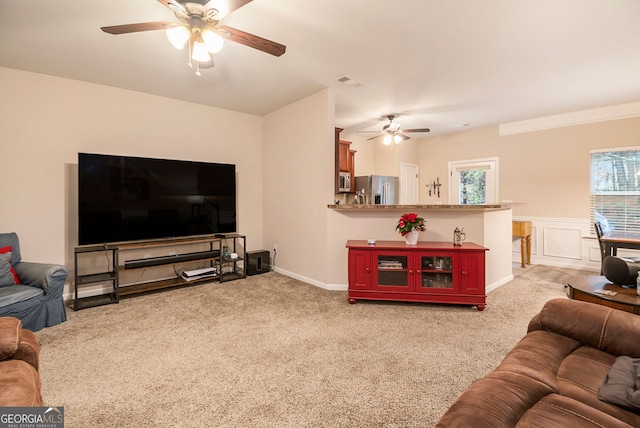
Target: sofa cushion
(557, 411)
(539, 355)
(11, 240)
(621, 383)
(6, 277)
(18, 293)
(9, 249)
(594, 325)
(499, 399)
(580, 376)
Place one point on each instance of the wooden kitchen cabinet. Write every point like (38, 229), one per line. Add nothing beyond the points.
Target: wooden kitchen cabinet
(351, 163)
(346, 161)
(343, 155)
(434, 272)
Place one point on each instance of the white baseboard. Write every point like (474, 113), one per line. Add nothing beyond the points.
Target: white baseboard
(499, 283)
(344, 287)
(332, 287)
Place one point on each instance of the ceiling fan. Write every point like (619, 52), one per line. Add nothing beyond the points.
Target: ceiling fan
(199, 26)
(392, 132)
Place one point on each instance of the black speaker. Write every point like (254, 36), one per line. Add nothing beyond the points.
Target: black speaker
(258, 262)
(621, 271)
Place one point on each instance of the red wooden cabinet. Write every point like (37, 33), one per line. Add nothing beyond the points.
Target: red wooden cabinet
(435, 272)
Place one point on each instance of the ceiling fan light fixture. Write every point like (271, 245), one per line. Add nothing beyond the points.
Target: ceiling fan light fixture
(200, 52)
(387, 139)
(178, 36)
(397, 138)
(212, 40)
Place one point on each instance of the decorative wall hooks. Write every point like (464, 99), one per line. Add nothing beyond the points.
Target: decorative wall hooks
(434, 187)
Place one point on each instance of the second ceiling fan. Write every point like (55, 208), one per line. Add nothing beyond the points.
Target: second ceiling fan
(392, 132)
(199, 28)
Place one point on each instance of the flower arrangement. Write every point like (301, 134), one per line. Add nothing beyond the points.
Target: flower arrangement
(409, 222)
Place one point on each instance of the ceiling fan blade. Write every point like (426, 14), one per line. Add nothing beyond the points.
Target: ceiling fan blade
(372, 138)
(253, 41)
(417, 130)
(404, 137)
(236, 4)
(165, 3)
(134, 28)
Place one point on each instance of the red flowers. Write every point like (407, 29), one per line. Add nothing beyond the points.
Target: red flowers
(409, 222)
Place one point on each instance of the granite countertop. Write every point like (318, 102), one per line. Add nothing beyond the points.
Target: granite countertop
(501, 206)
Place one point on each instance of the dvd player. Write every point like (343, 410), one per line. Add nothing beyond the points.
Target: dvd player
(190, 274)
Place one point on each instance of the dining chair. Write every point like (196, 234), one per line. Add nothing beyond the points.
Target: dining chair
(603, 253)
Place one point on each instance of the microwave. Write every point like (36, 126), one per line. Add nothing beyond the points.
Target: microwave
(345, 182)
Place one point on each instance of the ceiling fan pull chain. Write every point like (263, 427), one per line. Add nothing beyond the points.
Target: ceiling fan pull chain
(198, 68)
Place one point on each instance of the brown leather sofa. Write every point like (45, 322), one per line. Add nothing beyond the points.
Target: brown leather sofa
(552, 376)
(19, 359)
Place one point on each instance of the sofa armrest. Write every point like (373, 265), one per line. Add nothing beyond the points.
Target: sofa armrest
(534, 324)
(43, 275)
(17, 343)
(610, 330)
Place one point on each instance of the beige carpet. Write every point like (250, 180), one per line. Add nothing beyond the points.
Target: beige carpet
(270, 351)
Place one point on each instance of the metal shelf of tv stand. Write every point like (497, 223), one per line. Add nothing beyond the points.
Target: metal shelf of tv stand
(109, 276)
(236, 272)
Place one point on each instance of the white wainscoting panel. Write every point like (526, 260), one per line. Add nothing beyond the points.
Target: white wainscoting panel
(563, 242)
(594, 252)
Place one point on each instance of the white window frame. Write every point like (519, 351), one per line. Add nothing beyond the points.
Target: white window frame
(491, 165)
(628, 219)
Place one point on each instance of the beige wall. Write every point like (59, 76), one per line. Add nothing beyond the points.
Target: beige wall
(284, 162)
(46, 121)
(547, 170)
(298, 184)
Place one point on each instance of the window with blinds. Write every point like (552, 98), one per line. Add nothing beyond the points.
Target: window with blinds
(615, 189)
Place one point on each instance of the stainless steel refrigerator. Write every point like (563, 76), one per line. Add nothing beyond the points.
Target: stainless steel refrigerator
(379, 189)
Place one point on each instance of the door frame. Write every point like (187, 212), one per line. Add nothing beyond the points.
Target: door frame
(405, 168)
(493, 183)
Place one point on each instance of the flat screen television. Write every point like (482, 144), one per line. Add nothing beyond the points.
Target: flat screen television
(124, 198)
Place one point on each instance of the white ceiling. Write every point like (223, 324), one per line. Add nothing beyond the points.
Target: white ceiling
(436, 63)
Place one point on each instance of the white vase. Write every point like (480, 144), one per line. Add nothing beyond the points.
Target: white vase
(411, 238)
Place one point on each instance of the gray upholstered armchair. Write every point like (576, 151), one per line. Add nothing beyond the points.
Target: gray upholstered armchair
(31, 292)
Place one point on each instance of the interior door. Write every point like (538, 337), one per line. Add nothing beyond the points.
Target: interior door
(409, 178)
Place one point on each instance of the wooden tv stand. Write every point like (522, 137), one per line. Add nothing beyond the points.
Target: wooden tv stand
(109, 276)
(433, 272)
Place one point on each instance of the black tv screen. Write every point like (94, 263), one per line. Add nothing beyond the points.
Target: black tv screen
(123, 198)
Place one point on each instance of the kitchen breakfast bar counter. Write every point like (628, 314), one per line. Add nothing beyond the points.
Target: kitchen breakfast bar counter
(423, 207)
(487, 225)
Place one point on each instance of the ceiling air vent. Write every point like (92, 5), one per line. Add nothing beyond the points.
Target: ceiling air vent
(349, 81)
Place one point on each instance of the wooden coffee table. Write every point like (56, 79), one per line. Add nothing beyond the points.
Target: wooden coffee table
(583, 287)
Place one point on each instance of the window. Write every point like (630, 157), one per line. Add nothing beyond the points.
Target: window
(473, 186)
(615, 188)
(473, 182)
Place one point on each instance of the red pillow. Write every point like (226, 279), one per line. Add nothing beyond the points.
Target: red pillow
(13, 272)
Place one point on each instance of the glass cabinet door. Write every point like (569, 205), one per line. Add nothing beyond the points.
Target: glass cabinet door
(391, 271)
(436, 272)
